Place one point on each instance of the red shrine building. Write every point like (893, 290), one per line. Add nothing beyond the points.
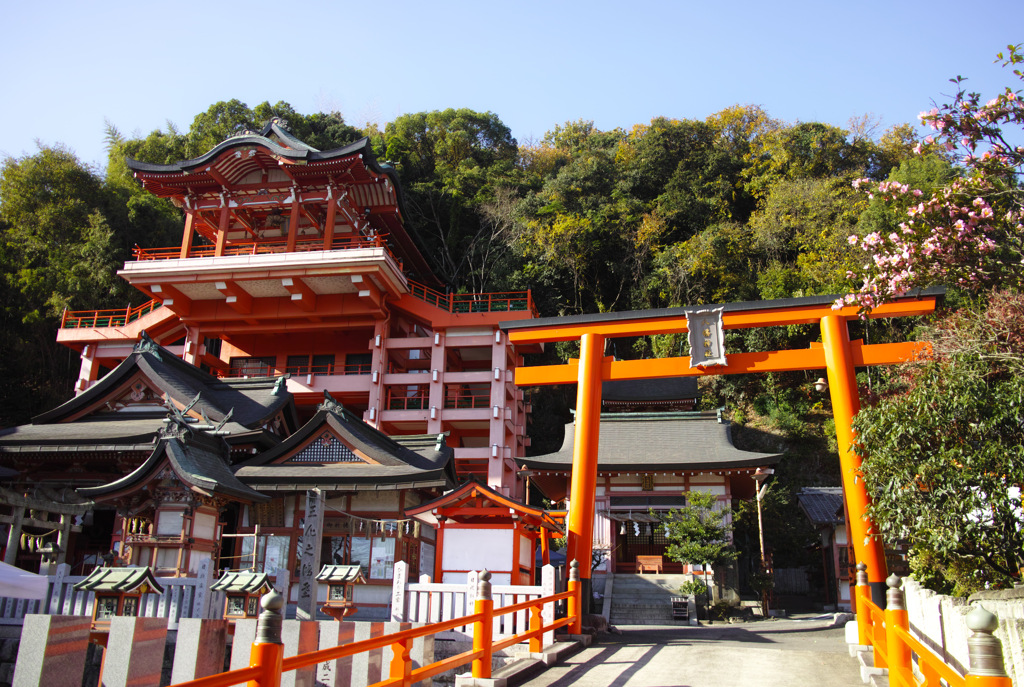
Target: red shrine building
(297, 346)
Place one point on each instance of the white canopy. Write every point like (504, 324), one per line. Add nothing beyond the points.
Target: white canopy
(21, 584)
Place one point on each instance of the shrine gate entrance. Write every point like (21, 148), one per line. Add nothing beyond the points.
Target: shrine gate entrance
(836, 354)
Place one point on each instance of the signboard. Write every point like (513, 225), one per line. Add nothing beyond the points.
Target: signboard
(706, 337)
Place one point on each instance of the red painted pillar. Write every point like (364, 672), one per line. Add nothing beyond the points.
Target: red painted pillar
(580, 520)
(842, 383)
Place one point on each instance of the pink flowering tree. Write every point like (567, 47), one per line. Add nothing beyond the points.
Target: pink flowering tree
(969, 233)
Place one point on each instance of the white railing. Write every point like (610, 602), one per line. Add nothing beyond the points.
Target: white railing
(430, 602)
(183, 597)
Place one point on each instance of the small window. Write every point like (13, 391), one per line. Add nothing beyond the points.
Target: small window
(252, 367)
(358, 363)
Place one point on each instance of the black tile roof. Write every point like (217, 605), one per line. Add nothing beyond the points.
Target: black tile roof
(823, 505)
(402, 462)
(251, 402)
(657, 442)
(198, 459)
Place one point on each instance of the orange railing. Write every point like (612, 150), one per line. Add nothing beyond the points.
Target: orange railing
(262, 247)
(512, 301)
(908, 661)
(77, 319)
(267, 662)
(468, 399)
(397, 400)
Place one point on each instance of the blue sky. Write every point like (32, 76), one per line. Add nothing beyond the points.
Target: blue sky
(73, 65)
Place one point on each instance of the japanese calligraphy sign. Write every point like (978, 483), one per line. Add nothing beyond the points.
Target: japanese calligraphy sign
(706, 337)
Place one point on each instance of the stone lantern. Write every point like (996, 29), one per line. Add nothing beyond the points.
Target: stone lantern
(339, 579)
(118, 591)
(243, 591)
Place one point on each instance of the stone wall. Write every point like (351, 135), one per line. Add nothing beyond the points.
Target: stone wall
(939, 622)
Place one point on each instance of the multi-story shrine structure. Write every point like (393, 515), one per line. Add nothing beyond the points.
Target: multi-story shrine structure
(296, 261)
(298, 366)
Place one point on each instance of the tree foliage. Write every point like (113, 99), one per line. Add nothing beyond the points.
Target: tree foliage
(699, 532)
(945, 460)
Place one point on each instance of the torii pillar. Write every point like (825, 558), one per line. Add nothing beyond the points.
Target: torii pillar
(836, 354)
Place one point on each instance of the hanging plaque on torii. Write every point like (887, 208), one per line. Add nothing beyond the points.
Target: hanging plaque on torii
(706, 337)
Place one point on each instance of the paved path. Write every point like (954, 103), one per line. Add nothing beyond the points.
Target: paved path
(792, 652)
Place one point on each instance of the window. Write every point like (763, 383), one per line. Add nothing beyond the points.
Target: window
(358, 363)
(322, 364)
(252, 367)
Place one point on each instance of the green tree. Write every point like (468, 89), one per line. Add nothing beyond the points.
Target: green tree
(700, 532)
(945, 460)
(58, 251)
(451, 162)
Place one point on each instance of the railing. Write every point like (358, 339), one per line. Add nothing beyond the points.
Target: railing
(267, 662)
(328, 369)
(417, 401)
(433, 602)
(262, 247)
(468, 399)
(897, 651)
(183, 597)
(77, 319)
(513, 301)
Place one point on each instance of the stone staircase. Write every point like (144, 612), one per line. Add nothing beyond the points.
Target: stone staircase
(644, 599)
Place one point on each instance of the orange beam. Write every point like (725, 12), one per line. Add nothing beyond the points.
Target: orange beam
(741, 319)
(238, 298)
(301, 294)
(738, 363)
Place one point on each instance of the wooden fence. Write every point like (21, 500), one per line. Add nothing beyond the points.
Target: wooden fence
(433, 602)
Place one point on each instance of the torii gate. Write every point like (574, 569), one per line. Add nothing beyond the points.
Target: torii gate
(836, 353)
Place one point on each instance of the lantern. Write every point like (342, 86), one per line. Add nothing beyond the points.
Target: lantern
(243, 591)
(118, 591)
(339, 579)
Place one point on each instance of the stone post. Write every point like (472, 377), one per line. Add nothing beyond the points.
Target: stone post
(309, 555)
(985, 651)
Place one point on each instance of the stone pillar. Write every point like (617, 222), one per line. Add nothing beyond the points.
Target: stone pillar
(309, 555)
(14, 535)
(52, 650)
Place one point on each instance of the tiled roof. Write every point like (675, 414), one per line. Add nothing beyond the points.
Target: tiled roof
(251, 402)
(823, 505)
(658, 441)
(419, 461)
(199, 460)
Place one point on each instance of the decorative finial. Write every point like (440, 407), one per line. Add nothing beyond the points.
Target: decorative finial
(984, 650)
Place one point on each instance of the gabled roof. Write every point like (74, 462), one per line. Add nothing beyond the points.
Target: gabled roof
(251, 402)
(127, 580)
(198, 459)
(823, 505)
(657, 442)
(476, 503)
(337, 450)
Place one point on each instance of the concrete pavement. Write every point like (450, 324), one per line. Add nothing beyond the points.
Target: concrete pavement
(800, 652)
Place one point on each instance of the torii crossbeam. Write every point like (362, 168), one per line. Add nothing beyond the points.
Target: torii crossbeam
(836, 354)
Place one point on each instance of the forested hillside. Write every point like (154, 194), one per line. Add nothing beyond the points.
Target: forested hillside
(736, 206)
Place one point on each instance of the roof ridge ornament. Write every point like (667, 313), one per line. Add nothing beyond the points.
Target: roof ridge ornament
(331, 404)
(146, 345)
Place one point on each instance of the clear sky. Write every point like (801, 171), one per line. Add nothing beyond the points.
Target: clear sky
(71, 66)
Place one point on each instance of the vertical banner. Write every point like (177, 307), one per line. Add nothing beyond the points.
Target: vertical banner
(309, 554)
(706, 337)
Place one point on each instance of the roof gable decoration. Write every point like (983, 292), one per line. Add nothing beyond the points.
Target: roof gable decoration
(327, 448)
(474, 502)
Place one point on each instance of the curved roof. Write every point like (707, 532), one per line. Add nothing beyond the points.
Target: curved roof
(371, 184)
(393, 463)
(657, 442)
(251, 402)
(197, 459)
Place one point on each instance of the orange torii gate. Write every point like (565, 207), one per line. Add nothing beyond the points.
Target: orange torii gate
(836, 354)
